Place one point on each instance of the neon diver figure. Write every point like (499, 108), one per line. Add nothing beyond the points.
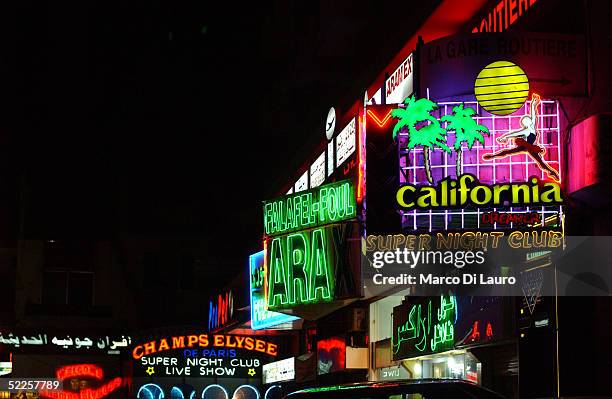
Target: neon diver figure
(524, 140)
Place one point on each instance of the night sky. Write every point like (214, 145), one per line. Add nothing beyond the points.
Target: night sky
(166, 119)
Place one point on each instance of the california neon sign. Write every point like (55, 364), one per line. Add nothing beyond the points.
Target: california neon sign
(468, 191)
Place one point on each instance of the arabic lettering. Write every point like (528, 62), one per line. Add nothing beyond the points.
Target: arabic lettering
(65, 342)
(417, 326)
(417, 330)
(444, 330)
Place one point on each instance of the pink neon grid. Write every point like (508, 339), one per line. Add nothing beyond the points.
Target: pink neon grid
(515, 168)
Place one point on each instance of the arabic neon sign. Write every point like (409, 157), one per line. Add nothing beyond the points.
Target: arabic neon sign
(428, 328)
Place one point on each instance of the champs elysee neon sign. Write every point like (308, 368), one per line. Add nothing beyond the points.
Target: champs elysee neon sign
(468, 191)
(326, 204)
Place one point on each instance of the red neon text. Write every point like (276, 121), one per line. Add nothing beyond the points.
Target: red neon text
(79, 370)
(507, 218)
(87, 393)
(502, 15)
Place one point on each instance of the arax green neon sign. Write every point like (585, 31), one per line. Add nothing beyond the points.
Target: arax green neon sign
(319, 206)
(300, 268)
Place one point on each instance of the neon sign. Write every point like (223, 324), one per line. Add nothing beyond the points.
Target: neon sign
(80, 370)
(325, 204)
(502, 15)
(519, 168)
(525, 141)
(261, 317)
(221, 312)
(83, 370)
(300, 269)
(204, 341)
(400, 83)
(331, 355)
(468, 191)
(381, 122)
(428, 328)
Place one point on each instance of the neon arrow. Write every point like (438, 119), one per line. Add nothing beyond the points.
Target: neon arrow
(378, 121)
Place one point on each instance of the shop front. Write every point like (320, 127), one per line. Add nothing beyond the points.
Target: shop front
(449, 336)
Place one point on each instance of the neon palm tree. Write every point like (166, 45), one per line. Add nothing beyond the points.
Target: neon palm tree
(428, 136)
(466, 130)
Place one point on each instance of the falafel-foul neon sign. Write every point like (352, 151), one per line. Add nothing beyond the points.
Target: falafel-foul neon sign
(205, 341)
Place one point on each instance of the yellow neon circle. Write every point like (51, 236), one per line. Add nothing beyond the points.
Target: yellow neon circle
(501, 87)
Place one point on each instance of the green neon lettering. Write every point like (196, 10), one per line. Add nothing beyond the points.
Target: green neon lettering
(332, 204)
(420, 325)
(297, 251)
(278, 278)
(322, 205)
(300, 268)
(320, 271)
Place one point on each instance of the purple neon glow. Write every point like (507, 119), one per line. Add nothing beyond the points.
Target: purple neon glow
(515, 168)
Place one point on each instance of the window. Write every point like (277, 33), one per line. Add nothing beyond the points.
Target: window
(68, 276)
(187, 272)
(68, 288)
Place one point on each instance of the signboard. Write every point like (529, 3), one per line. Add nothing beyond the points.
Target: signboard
(400, 83)
(503, 15)
(312, 266)
(282, 370)
(322, 205)
(330, 123)
(203, 355)
(91, 383)
(261, 317)
(424, 325)
(317, 171)
(554, 63)
(346, 142)
(220, 310)
(64, 342)
(463, 168)
(302, 183)
(398, 372)
(331, 355)
(330, 157)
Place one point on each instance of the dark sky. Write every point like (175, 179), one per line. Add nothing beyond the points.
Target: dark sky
(167, 118)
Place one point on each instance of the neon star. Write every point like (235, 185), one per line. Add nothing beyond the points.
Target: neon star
(252, 372)
(150, 370)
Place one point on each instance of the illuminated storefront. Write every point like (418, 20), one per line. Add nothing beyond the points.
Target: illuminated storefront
(464, 133)
(202, 365)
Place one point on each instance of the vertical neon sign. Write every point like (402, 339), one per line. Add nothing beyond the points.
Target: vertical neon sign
(261, 317)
